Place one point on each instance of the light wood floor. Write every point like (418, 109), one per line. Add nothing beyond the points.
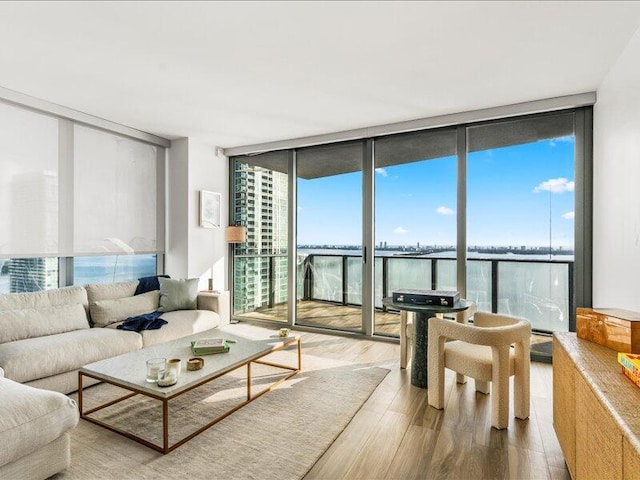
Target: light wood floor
(396, 435)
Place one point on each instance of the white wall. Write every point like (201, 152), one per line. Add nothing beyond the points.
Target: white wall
(194, 251)
(616, 203)
(177, 183)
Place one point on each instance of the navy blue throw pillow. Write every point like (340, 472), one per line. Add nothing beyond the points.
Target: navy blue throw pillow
(149, 284)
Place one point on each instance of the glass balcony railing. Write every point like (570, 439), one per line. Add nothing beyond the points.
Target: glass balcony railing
(539, 290)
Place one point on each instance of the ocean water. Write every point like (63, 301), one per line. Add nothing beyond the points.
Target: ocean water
(112, 269)
(449, 254)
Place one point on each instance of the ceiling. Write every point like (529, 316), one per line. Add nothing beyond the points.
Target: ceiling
(239, 73)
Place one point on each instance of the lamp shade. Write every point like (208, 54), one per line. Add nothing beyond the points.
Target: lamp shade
(235, 234)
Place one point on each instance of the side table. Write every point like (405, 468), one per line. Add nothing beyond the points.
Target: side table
(221, 302)
(421, 332)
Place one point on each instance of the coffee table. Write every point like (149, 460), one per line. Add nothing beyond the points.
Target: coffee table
(128, 371)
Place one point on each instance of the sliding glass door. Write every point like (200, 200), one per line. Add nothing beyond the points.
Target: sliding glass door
(260, 203)
(415, 217)
(329, 240)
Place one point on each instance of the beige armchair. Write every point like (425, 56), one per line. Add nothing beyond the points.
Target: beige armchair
(406, 332)
(484, 352)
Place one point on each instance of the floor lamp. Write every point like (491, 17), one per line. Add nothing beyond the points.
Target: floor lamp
(235, 234)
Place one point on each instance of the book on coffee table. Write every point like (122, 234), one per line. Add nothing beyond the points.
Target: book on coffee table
(209, 346)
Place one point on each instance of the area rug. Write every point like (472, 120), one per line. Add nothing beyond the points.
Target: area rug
(278, 436)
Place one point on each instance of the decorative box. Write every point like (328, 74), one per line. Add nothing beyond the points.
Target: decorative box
(612, 327)
(442, 298)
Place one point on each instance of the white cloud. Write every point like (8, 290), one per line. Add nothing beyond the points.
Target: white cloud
(445, 211)
(567, 139)
(400, 230)
(382, 172)
(569, 215)
(556, 185)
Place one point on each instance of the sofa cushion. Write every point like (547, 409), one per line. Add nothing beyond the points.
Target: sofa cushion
(48, 298)
(106, 312)
(31, 418)
(179, 324)
(40, 357)
(178, 294)
(45, 462)
(36, 322)
(110, 291)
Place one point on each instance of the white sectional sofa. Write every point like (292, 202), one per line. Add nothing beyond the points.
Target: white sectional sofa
(34, 426)
(45, 337)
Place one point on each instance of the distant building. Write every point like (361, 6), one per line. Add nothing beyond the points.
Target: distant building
(32, 274)
(261, 204)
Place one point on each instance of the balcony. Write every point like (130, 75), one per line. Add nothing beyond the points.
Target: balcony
(329, 288)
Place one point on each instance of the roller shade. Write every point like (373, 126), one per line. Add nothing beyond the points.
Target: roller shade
(73, 190)
(114, 194)
(28, 183)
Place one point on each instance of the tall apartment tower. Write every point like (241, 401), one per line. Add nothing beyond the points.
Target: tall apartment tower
(32, 274)
(260, 266)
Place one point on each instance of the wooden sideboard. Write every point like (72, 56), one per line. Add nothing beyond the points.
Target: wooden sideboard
(596, 411)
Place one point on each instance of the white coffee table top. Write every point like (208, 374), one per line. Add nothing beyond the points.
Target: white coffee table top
(130, 369)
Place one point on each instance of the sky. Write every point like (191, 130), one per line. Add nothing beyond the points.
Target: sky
(520, 195)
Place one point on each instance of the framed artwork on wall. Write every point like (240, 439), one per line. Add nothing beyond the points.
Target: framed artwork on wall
(209, 209)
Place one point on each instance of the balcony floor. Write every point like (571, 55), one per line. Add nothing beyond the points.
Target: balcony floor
(313, 313)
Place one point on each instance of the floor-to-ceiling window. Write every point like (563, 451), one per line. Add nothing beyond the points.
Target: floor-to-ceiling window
(29, 193)
(259, 202)
(520, 218)
(415, 216)
(489, 209)
(329, 240)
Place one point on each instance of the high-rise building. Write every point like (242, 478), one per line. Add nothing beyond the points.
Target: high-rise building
(260, 267)
(33, 274)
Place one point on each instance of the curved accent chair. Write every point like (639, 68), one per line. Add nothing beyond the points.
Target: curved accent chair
(406, 332)
(494, 348)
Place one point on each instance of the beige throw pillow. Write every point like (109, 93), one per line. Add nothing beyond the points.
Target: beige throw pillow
(178, 294)
(106, 312)
(38, 322)
(110, 291)
(47, 298)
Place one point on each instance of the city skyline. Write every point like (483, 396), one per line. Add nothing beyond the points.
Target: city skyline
(392, 247)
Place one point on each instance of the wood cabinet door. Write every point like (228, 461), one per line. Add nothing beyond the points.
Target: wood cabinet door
(598, 439)
(631, 465)
(564, 405)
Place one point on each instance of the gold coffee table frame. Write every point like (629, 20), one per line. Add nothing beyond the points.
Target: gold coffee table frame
(166, 448)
